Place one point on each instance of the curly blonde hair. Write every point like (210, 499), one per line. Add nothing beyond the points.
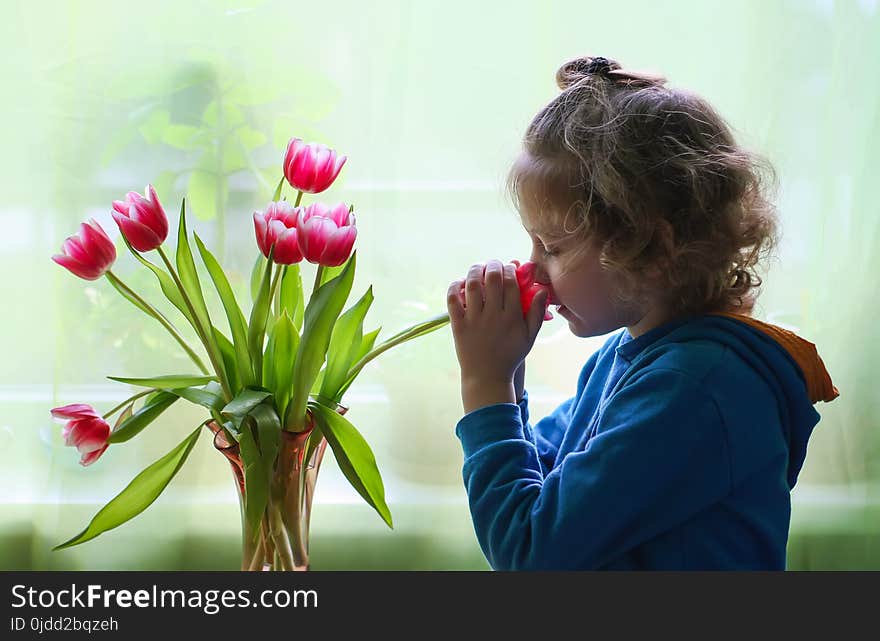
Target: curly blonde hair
(655, 182)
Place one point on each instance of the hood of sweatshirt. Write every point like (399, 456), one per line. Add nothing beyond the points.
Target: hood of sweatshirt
(790, 364)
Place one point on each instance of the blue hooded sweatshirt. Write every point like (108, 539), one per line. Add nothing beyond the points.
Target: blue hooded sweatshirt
(678, 451)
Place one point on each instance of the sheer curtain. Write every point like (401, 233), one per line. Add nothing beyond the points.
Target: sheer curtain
(429, 101)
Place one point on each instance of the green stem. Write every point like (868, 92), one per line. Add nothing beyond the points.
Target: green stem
(202, 332)
(127, 401)
(277, 299)
(419, 330)
(275, 282)
(113, 278)
(279, 536)
(299, 197)
(317, 284)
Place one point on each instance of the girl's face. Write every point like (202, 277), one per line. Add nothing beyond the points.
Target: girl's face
(583, 288)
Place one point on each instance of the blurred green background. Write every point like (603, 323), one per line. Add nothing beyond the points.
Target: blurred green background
(429, 101)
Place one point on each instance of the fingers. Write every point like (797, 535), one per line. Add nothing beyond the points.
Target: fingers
(493, 285)
(473, 288)
(490, 285)
(454, 303)
(535, 314)
(511, 288)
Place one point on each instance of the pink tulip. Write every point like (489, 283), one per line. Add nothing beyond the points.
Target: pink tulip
(277, 226)
(327, 235)
(528, 289)
(141, 220)
(89, 254)
(86, 430)
(311, 167)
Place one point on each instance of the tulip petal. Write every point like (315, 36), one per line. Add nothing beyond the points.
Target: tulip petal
(287, 249)
(293, 148)
(314, 235)
(339, 246)
(87, 434)
(276, 228)
(98, 244)
(261, 229)
(141, 237)
(86, 272)
(75, 410)
(340, 214)
(121, 206)
(73, 248)
(91, 457)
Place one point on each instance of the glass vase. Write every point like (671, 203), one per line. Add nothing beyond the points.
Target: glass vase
(283, 540)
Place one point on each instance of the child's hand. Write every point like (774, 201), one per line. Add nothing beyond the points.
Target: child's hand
(492, 337)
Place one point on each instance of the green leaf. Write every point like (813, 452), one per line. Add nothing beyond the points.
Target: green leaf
(138, 495)
(241, 405)
(258, 455)
(167, 382)
(189, 278)
(329, 273)
(344, 345)
(278, 362)
(277, 193)
(319, 382)
(320, 316)
(166, 283)
(134, 301)
(257, 276)
(291, 297)
(251, 138)
(354, 456)
(154, 125)
(257, 325)
(210, 396)
(155, 404)
(237, 324)
(230, 362)
(179, 136)
(367, 343)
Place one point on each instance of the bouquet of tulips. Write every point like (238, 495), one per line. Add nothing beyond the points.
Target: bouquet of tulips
(272, 387)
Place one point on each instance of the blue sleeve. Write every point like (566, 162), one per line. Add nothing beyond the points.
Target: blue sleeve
(659, 456)
(548, 432)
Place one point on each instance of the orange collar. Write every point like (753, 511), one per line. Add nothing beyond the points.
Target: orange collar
(819, 385)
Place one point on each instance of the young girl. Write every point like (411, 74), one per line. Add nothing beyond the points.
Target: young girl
(689, 426)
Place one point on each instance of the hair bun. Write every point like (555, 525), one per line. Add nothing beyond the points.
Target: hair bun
(583, 67)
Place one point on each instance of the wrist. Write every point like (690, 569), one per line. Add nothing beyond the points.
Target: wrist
(481, 392)
(519, 381)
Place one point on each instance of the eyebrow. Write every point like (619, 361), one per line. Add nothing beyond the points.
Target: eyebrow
(547, 234)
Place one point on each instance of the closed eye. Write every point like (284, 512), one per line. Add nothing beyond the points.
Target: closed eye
(547, 253)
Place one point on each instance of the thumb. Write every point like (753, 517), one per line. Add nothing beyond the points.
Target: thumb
(536, 313)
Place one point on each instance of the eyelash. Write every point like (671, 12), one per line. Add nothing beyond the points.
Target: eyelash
(548, 253)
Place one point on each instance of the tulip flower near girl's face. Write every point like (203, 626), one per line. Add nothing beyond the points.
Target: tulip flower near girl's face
(326, 235)
(89, 254)
(277, 225)
(141, 220)
(85, 430)
(311, 167)
(528, 289)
